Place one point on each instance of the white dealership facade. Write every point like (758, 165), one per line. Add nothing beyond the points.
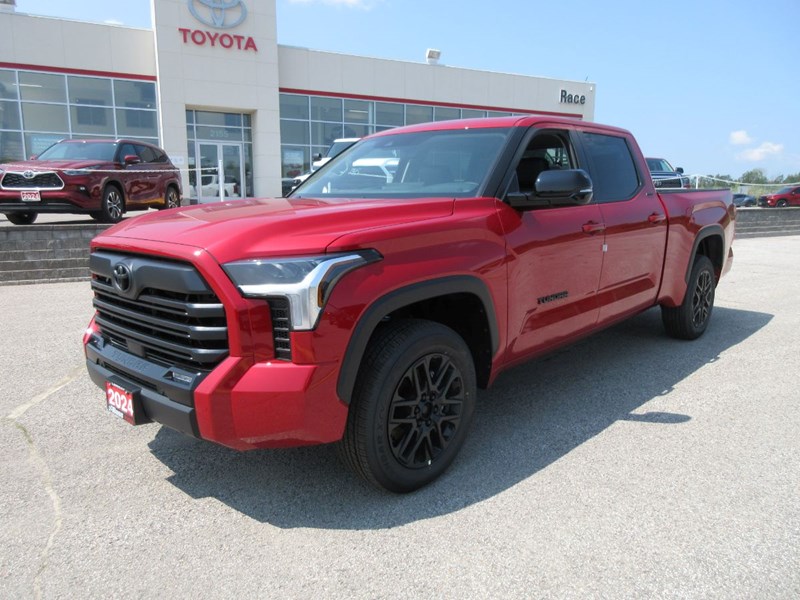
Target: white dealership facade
(210, 83)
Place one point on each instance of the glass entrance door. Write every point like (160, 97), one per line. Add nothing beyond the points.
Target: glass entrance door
(208, 174)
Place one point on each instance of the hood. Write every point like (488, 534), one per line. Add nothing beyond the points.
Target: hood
(256, 228)
(51, 165)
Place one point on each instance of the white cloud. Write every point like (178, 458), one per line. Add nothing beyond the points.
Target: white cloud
(740, 138)
(762, 152)
(362, 4)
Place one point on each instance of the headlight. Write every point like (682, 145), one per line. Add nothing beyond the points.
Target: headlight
(307, 282)
(82, 171)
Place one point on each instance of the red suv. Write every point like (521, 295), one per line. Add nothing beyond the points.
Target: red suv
(786, 196)
(102, 178)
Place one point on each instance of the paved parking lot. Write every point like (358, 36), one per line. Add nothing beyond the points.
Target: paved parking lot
(628, 465)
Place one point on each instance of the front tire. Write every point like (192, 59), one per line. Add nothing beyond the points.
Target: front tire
(171, 198)
(782, 204)
(412, 405)
(25, 218)
(689, 320)
(112, 206)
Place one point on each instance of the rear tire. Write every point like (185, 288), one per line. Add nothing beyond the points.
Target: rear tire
(689, 320)
(25, 218)
(112, 206)
(411, 407)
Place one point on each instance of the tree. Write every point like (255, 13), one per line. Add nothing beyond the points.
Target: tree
(754, 176)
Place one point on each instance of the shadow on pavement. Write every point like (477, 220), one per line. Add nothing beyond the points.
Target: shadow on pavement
(533, 415)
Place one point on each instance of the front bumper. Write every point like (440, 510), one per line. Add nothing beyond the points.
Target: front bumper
(239, 404)
(72, 199)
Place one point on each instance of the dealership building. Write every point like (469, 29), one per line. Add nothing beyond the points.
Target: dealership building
(210, 84)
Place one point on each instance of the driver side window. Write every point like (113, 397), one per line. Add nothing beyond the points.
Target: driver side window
(547, 151)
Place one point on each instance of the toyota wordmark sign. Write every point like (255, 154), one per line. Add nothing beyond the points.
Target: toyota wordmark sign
(218, 14)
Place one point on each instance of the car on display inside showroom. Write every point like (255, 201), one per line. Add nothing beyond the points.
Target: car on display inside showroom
(369, 306)
(100, 177)
(786, 196)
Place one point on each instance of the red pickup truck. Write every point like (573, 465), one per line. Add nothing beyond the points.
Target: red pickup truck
(369, 306)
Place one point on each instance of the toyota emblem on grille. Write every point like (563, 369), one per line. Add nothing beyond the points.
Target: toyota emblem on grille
(29, 174)
(122, 277)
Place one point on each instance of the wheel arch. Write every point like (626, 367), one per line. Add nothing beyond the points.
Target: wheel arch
(710, 242)
(447, 301)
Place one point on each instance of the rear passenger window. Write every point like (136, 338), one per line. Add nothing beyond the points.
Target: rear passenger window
(614, 173)
(146, 154)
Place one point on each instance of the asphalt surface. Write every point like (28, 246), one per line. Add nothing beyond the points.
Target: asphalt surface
(628, 465)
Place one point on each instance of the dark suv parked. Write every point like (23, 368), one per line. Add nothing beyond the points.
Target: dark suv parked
(102, 178)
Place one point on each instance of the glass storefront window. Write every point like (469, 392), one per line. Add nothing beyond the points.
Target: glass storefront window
(92, 119)
(11, 146)
(357, 111)
(293, 107)
(468, 113)
(8, 85)
(389, 113)
(134, 94)
(9, 115)
(141, 123)
(416, 113)
(446, 114)
(294, 161)
(216, 119)
(498, 113)
(42, 87)
(90, 90)
(326, 109)
(294, 132)
(232, 134)
(46, 117)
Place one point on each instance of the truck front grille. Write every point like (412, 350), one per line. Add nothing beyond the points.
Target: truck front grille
(159, 310)
(41, 180)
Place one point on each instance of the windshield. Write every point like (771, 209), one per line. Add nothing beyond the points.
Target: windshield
(80, 151)
(444, 163)
(339, 147)
(784, 190)
(659, 164)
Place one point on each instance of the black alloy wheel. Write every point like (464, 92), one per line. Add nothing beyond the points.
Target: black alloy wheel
(425, 411)
(411, 406)
(689, 320)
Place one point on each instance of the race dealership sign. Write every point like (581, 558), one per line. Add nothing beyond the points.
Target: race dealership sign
(218, 14)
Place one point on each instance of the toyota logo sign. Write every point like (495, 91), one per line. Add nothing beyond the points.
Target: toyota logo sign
(220, 14)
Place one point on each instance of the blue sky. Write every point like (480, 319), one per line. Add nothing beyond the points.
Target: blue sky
(710, 85)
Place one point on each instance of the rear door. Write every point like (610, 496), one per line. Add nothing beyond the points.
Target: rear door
(634, 220)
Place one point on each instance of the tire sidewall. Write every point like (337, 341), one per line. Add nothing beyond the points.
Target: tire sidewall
(702, 264)
(382, 463)
(105, 213)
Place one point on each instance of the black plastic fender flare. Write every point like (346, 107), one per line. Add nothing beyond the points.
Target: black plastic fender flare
(385, 305)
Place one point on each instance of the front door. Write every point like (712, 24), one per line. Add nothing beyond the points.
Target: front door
(208, 171)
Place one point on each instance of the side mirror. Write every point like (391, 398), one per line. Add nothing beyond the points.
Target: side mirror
(131, 159)
(317, 156)
(33, 157)
(556, 188)
(679, 170)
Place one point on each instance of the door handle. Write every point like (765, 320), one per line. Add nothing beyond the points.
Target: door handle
(591, 227)
(657, 218)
